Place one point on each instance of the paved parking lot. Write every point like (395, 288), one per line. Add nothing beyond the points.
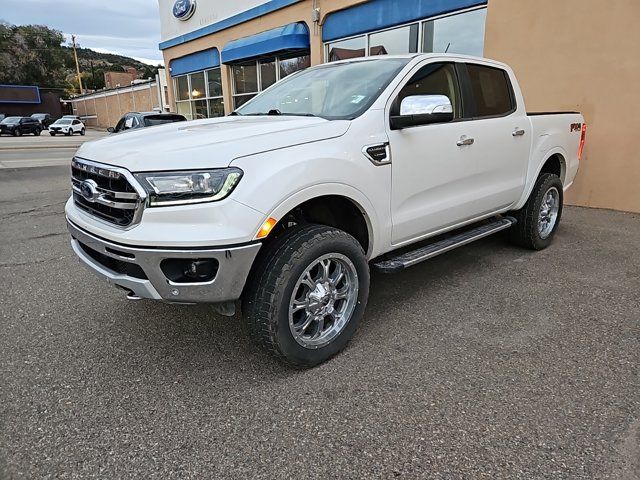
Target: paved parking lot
(488, 362)
(42, 151)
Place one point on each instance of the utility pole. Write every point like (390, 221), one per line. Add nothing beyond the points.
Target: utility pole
(75, 54)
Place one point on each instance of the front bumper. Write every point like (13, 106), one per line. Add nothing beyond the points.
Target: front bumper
(144, 277)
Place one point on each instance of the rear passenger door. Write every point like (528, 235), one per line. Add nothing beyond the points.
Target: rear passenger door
(502, 138)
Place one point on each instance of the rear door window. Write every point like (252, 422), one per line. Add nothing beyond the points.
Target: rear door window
(491, 90)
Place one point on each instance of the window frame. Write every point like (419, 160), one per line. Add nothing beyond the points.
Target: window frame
(461, 75)
(471, 99)
(419, 22)
(207, 94)
(277, 59)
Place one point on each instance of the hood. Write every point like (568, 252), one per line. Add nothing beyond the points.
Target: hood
(211, 143)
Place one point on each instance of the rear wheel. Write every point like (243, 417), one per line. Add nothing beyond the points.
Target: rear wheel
(17, 132)
(37, 132)
(53, 134)
(307, 294)
(82, 132)
(538, 220)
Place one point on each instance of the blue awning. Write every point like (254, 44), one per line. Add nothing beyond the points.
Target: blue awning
(195, 62)
(294, 36)
(380, 14)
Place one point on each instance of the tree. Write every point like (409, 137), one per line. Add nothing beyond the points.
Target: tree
(32, 55)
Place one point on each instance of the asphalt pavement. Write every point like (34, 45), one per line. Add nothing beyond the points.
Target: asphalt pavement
(487, 362)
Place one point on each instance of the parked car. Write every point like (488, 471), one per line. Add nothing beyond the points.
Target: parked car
(18, 126)
(67, 126)
(134, 120)
(2, 116)
(75, 117)
(45, 119)
(377, 163)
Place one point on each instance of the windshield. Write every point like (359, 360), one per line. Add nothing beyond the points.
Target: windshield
(341, 91)
(63, 121)
(11, 120)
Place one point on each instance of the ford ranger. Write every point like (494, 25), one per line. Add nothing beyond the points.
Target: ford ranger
(284, 206)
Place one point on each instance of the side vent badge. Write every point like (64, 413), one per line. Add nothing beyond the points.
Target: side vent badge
(378, 154)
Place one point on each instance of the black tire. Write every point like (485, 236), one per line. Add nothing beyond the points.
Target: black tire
(52, 134)
(278, 269)
(17, 132)
(82, 132)
(37, 132)
(69, 133)
(526, 232)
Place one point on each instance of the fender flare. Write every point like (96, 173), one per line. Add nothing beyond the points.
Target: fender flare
(334, 189)
(531, 181)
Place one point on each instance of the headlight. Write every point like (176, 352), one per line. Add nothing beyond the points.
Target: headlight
(182, 188)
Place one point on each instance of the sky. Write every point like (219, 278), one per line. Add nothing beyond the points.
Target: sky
(126, 27)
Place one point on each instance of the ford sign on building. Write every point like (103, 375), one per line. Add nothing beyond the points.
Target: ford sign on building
(184, 9)
(223, 53)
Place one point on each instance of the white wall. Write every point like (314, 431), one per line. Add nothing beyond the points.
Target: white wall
(207, 13)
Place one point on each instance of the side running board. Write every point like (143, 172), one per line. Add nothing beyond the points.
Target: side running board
(408, 259)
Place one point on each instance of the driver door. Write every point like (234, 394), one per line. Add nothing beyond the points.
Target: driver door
(434, 165)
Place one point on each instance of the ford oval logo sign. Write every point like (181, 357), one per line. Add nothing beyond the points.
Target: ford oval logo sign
(184, 9)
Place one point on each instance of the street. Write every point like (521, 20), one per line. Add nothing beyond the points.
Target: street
(42, 151)
(486, 362)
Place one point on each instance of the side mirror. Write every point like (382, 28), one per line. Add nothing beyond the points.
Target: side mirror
(111, 129)
(422, 110)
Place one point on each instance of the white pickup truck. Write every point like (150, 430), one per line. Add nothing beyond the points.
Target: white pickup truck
(286, 204)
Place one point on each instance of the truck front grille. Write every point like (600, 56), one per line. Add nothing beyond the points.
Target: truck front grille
(108, 193)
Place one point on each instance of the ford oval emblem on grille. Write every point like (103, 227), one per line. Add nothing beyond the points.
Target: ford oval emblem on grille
(89, 190)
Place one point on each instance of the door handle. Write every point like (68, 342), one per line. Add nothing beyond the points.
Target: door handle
(518, 132)
(465, 141)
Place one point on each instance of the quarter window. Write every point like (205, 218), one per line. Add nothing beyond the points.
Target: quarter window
(491, 90)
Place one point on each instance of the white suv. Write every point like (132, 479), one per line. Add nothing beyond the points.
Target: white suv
(66, 126)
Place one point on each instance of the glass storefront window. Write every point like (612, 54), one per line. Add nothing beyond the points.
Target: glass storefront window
(196, 92)
(250, 78)
(216, 108)
(197, 86)
(395, 42)
(200, 110)
(184, 108)
(462, 33)
(346, 49)
(267, 74)
(292, 65)
(214, 82)
(182, 88)
(245, 78)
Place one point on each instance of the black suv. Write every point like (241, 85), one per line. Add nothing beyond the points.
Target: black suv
(135, 120)
(18, 126)
(44, 119)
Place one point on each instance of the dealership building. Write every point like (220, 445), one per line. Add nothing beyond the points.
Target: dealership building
(568, 55)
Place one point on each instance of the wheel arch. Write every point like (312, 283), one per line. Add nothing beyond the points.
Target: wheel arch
(555, 161)
(338, 196)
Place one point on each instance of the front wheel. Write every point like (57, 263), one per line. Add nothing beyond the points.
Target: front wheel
(69, 133)
(538, 220)
(52, 134)
(307, 294)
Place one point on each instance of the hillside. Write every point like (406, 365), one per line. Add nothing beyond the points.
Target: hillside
(35, 55)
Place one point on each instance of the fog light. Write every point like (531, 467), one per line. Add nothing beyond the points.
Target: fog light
(186, 270)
